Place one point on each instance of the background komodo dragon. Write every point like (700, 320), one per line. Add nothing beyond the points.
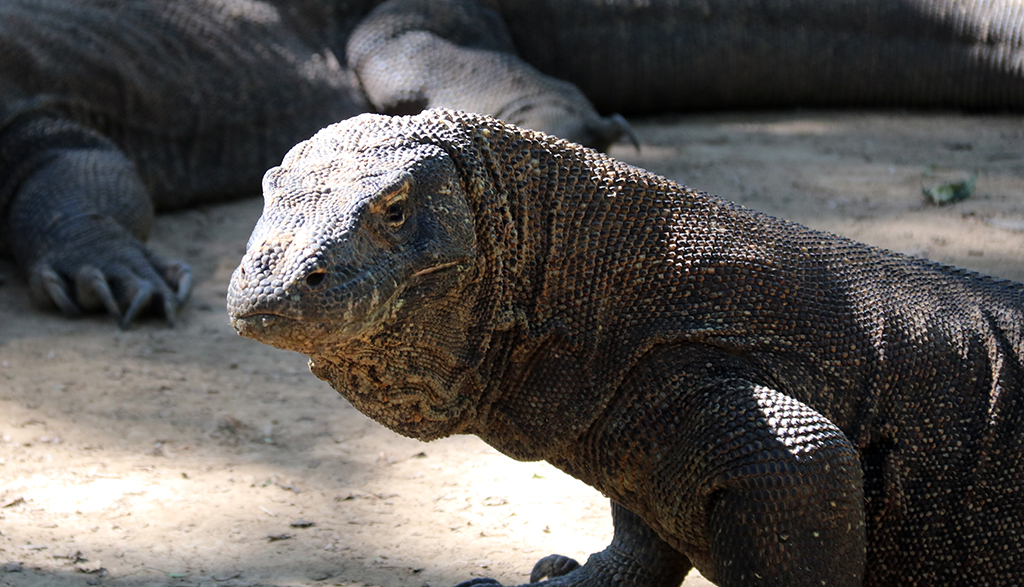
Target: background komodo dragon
(768, 403)
(111, 109)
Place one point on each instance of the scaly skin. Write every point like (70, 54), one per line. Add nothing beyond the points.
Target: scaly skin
(656, 55)
(188, 101)
(413, 54)
(111, 110)
(770, 404)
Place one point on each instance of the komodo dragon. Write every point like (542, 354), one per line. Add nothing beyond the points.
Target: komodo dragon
(770, 404)
(111, 108)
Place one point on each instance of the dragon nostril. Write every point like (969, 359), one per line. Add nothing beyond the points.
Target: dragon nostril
(316, 278)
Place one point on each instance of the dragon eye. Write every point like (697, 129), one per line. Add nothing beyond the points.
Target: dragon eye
(392, 207)
(395, 214)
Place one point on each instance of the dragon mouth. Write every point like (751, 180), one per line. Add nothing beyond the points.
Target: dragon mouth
(283, 332)
(285, 323)
(310, 333)
(255, 325)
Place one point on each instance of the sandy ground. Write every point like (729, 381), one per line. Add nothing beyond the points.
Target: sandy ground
(190, 456)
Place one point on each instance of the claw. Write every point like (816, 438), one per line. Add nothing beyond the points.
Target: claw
(626, 129)
(47, 286)
(179, 276)
(552, 566)
(93, 291)
(602, 132)
(184, 282)
(170, 282)
(140, 300)
(170, 311)
(176, 273)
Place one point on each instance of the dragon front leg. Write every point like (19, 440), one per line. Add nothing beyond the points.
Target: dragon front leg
(75, 222)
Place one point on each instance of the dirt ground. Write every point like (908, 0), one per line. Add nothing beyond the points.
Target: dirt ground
(190, 456)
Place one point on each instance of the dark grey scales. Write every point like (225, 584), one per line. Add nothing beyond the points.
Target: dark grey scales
(767, 403)
(111, 109)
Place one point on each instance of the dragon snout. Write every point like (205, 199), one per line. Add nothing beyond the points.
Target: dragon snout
(267, 307)
(272, 279)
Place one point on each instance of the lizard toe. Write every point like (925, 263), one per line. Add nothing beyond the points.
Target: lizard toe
(123, 279)
(177, 274)
(551, 566)
(47, 288)
(478, 582)
(141, 295)
(131, 285)
(93, 291)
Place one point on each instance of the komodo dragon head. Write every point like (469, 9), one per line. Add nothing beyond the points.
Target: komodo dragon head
(363, 226)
